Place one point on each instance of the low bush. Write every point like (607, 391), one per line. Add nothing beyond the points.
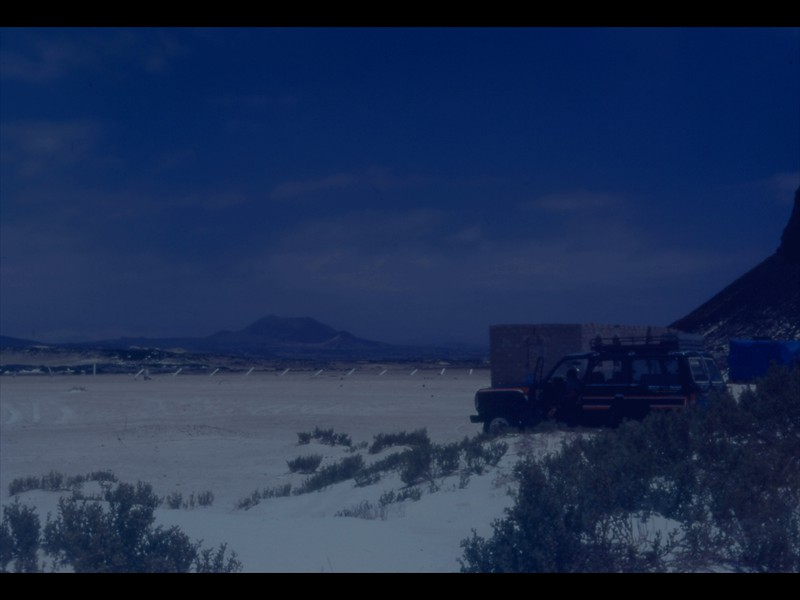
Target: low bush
(392, 497)
(122, 538)
(363, 510)
(19, 538)
(174, 500)
(413, 439)
(305, 464)
(727, 477)
(205, 498)
(112, 535)
(419, 461)
(258, 495)
(325, 436)
(347, 468)
(57, 482)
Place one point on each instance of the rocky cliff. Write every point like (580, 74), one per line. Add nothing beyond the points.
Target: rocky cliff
(764, 302)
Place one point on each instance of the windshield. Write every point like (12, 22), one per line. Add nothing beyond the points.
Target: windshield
(698, 369)
(713, 371)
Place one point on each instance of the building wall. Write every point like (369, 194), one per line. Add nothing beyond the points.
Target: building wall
(515, 348)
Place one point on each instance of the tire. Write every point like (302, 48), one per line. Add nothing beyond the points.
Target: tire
(497, 426)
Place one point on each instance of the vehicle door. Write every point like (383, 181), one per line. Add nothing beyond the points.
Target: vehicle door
(656, 384)
(605, 389)
(556, 390)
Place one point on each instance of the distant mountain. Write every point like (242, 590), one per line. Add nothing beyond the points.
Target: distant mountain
(12, 342)
(764, 302)
(304, 330)
(275, 338)
(296, 337)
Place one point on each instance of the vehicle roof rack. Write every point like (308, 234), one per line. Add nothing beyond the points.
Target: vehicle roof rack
(666, 341)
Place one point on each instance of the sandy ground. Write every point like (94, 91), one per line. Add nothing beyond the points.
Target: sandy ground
(233, 434)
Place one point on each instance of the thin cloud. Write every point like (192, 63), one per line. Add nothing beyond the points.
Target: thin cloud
(373, 178)
(573, 202)
(293, 189)
(46, 55)
(35, 146)
(42, 61)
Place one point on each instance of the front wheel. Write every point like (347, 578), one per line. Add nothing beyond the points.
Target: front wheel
(497, 426)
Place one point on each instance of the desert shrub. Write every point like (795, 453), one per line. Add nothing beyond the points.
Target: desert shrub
(19, 538)
(305, 464)
(121, 538)
(250, 501)
(55, 481)
(413, 439)
(347, 468)
(389, 462)
(367, 510)
(479, 453)
(325, 436)
(367, 477)
(392, 497)
(174, 500)
(363, 510)
(279, 491)
(416, 465)
(6, 545)
(728, 477)
(750, 476)
(24, 484)
(216, 561)
(446, 459)
(258, 495)
(50, 482)
(419, 461)
(554, 527)
(106, 476)
(205, 498)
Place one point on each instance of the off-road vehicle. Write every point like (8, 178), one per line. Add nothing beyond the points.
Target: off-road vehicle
(619, 378)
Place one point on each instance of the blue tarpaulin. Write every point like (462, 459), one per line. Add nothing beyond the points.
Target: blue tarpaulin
(750, 359)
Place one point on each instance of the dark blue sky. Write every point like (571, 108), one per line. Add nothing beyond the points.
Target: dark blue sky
(406, 185)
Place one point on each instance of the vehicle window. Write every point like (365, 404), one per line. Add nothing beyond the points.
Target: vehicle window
(713, 371)
(698, 369)
(655, 371)
(561, 369)
(608, 371)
